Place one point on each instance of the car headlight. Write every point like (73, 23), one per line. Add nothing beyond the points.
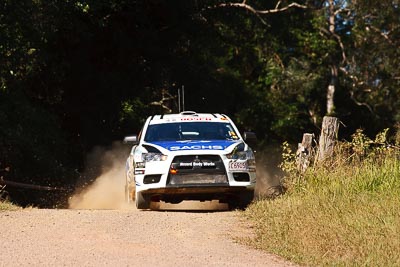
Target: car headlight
(241, 154)
(146, 157)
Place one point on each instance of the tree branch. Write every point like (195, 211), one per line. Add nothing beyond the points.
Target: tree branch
(257, 12)
(263, 12)
(358, 103)
(341, 10)
(165, 98)
(340, 42)
(356, 83)
(384, 35)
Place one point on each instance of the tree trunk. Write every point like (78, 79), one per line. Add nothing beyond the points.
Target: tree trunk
(330, 95)
(327, 140)
(304, 152)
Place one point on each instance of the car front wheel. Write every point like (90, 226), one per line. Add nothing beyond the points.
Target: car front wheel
(241, 201)
(142, 202)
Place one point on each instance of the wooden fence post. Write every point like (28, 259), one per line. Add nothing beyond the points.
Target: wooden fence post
(328, 138)
(304, 152)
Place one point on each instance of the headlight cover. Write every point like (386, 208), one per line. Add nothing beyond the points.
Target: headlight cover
(147, 157)
(239, 153)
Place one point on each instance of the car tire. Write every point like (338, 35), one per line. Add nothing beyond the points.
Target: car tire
(141, 201)
(241, 201)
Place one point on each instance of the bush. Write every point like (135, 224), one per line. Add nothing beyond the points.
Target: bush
(342, 212)
(33, 147)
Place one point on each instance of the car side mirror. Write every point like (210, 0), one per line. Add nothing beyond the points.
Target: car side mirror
(131, 140)
(250, 138)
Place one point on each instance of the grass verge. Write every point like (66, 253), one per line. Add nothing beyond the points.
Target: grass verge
(343, 214)
(7, 206)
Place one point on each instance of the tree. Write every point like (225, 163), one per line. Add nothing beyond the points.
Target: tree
(340, 45)
(373, 65)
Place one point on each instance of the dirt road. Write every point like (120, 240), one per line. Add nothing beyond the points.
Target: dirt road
(126, 237)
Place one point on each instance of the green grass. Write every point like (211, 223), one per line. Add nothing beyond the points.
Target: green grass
(346, 214)
(7, 206)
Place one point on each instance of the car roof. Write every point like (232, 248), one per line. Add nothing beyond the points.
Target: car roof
(189, 116)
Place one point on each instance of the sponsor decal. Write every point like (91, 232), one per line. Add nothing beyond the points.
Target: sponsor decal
(237, 166)
(140, 164)
(195, 145)
(196, 164)
(196, 119)
(233, 135)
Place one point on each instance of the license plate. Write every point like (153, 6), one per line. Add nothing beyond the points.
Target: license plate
(237, 166)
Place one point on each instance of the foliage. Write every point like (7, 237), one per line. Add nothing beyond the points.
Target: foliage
(341, 213)
(5, 204)
(77, 74)
(288, 164)
(376, 26)
(34, 149)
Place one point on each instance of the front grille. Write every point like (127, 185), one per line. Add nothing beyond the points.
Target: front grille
(197, 179)
(197, 169)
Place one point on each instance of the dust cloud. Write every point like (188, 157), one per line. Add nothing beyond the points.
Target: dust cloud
(103, 181)
(102, 184)
(269, 177)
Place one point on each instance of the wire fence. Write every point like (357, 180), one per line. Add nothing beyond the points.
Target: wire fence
(4, 183)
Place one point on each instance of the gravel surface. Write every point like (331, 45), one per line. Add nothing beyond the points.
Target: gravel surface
(127, 237)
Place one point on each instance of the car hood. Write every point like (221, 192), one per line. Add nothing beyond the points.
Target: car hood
(196, 145)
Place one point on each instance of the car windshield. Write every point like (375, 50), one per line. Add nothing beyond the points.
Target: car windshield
(190, 131)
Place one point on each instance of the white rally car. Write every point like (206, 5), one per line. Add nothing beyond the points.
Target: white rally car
(190, 156)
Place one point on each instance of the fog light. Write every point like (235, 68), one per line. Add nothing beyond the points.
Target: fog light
(151, 179)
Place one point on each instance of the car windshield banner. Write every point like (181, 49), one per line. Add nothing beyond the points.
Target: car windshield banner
(195, 145)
